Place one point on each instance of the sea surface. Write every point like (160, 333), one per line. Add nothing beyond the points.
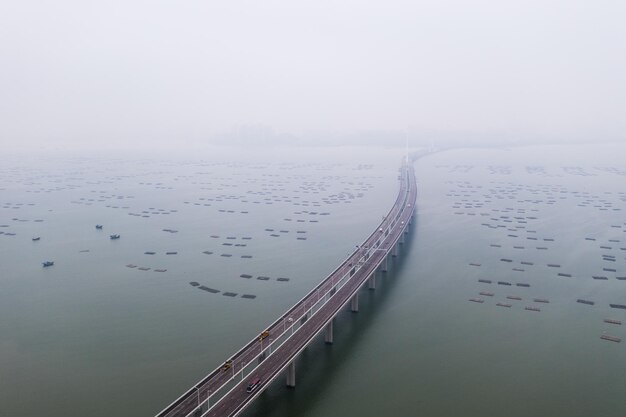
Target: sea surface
(534, 229)
(124, 326)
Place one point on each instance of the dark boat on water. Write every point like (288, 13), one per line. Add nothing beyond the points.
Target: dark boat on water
(98, 226)
(113, 237)
(47, 263)
(36, 239)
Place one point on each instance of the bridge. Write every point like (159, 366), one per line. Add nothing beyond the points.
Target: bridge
(223, 392)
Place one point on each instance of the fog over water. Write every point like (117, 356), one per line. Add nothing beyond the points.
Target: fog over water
(161, 73)
(233, 153)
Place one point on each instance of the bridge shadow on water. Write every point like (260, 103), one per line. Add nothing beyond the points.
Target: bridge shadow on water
(319, 363)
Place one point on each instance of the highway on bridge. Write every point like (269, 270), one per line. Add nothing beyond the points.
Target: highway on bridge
(223, 391)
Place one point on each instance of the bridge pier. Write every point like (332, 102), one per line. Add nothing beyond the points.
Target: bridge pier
(291, 374)
(401, 241)
(394, 250)
(384, 264)
(328, 337)
(371, 282)
(354, 303)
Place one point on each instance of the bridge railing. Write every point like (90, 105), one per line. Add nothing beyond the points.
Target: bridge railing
(386, 224)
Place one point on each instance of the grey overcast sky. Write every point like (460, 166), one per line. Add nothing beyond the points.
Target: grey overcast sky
(97, 71)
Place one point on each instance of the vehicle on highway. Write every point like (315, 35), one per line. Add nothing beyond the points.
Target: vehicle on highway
(227, 365)
(264, 335)
(253, 385)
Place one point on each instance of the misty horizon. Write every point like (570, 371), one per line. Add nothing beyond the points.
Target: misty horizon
(299, 73)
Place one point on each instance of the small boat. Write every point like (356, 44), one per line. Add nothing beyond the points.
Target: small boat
(113, 237)
(35, 239)
(48, 263)
(98, 226)
(612, 321)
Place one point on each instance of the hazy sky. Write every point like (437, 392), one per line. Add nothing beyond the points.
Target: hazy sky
(79, 70)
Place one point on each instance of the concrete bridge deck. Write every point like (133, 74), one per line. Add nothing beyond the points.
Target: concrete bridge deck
(223, 391)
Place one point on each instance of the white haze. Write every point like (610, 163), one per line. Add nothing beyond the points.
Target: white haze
(79, 73)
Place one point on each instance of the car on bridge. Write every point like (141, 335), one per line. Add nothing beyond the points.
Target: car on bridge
(253, 385)
(227, 365)
(264, 335)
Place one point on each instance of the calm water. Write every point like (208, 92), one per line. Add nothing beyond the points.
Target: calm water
(103, 333)
(91, 336)
(419, 347)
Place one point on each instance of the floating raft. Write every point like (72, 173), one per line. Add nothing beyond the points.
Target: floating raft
(580, 300)
(622, 306)
(513, 297)
(207, 289)
(474, 264)
(610, 338)
(488, 294)
(541, 300)
(503, 283)
(160, 270)
(250, 296)
(282, 279)
(245, 276)
(611, 321)
(503, 305)
(532, 309)
(522, 284)
(477, 300)
(486, 281)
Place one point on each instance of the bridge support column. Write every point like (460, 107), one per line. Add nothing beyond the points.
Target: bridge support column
(385, 264)
(354, 303)
(401, 241)
(371, 282)
(394, 250)
(291, 374)
(328, 337)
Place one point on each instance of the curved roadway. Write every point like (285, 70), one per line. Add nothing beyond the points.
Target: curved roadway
(335, 290)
